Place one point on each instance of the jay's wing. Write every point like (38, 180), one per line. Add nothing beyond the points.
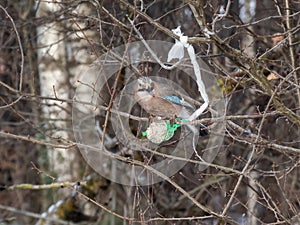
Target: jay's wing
(178, 101)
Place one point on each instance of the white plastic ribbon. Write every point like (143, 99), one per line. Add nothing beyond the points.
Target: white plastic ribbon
(177, 52)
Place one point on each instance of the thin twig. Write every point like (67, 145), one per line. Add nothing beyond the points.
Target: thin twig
(291, 47)
(20, 46)
(151, 51)
(35, 215)
(35, 141)
(162, 28)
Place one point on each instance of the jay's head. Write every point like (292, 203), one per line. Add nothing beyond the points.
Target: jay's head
(145, 85)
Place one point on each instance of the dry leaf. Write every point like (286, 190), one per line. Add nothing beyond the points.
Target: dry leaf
(272, 76)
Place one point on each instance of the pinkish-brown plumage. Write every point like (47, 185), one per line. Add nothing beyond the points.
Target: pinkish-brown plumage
(149, 95)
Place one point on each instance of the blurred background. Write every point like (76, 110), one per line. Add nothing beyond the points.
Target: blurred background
(253, 51)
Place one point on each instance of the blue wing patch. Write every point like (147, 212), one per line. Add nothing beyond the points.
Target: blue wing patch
(177, 100)
(174, 99)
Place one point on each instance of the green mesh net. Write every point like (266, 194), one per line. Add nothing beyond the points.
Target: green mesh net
(160, 131)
